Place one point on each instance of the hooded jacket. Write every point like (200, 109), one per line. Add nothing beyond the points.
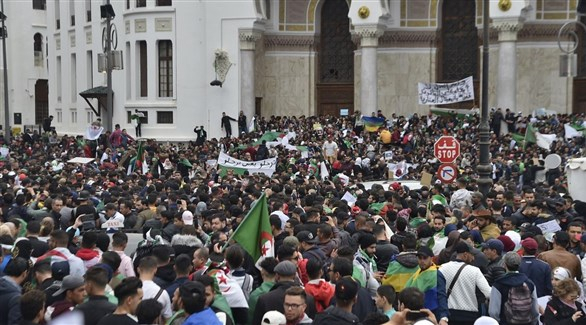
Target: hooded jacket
(185, 244)
(322, 293)
(500, 294)
(400, 269)
(89, 257)
(9, 301)
(335, 316)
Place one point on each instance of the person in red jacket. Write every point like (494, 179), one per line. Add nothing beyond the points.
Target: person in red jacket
(321, 290)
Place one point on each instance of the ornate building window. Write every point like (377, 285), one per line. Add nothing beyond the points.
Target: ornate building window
(165, 68)
(458, 44)
(555, 10)
(336, 54)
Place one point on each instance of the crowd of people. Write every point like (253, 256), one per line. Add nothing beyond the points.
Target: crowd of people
(439, 254)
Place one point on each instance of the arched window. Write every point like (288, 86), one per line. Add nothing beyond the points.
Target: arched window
(38, 49)
(458, 55)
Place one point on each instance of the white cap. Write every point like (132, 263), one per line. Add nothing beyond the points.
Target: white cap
(187, 217)
(485, 320)
(273, 317)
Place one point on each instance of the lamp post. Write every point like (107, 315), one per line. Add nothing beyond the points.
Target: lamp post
(569, 59)
(108, 12)
(5, 65)
(484, 169)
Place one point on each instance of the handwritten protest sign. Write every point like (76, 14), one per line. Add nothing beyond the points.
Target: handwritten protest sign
(267, 166)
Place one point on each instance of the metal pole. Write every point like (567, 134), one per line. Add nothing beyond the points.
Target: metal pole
(109, 103)
(484, 169)
(6, 108)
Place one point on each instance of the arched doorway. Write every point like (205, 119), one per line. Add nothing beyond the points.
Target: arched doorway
(41, 100)
(335, 84)
(458, 54)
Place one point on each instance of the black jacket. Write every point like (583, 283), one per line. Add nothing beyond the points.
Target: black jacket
(335, 316)
(558, 313)
(39, 247)
(273, 300)
(95, 308)
(10, 302)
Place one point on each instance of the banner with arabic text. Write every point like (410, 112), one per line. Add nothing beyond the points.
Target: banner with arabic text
(267, 166)
(446, 93)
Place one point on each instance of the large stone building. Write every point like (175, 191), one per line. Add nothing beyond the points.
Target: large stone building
(291, 57)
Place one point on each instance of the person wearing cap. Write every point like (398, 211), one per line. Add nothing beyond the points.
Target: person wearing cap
(74, 289)
(536, 270)
(493, 250)
(341, 313)
(486, 223)
(431, 282)
(559, 256)
(286, 273)
(273, 317)
(501, 291)
(308, 247)
(462, 301)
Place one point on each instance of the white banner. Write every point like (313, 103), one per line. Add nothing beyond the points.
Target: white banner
(446, 93)
(267, 166)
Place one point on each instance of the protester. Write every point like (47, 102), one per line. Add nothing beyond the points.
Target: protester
(181, 202)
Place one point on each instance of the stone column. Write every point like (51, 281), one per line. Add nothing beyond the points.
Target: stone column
(368, 69)
(507, 64)
(248, 40)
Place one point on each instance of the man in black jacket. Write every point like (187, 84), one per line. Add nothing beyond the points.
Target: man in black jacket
(363, 303)
(274, 299)
(226, 124)
(97, 305)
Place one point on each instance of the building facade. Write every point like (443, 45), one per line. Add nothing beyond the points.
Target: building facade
(301, 57)
(27, 64)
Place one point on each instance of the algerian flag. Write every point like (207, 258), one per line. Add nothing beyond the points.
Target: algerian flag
(229, 288)
(323, 172)
(254, 232)
(571, 132)
(544, 140)
(251, 125)
(530, 134)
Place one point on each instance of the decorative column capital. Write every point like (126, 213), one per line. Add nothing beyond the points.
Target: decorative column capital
(368, 35)
(507, 28)
(248, 38)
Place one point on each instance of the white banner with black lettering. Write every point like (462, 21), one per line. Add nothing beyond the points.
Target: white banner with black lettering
(446, 93)
(267, 166)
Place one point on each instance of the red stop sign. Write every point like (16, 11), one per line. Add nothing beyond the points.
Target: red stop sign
(446, 149)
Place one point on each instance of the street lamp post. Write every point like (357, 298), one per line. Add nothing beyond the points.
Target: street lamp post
(484, 169)
(5, 65)
(108, 52)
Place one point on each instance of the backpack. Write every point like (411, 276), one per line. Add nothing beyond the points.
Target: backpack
(517, 308)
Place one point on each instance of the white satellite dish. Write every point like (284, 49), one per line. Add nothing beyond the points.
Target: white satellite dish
(553, 161)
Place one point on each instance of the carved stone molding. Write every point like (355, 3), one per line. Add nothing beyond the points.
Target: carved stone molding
(248, 39)
(289, 42)
(400, 38)
(507, 29)
(539, 32)
(367, 36)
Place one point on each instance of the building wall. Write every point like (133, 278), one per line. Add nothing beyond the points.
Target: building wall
(22, 72)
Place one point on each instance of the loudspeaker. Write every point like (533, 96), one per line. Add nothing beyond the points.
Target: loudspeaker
(107, 10)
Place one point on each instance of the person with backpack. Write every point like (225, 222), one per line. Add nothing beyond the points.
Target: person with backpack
(513, 298)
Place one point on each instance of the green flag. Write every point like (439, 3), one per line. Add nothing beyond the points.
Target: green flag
(254, 232)
(530, 134)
